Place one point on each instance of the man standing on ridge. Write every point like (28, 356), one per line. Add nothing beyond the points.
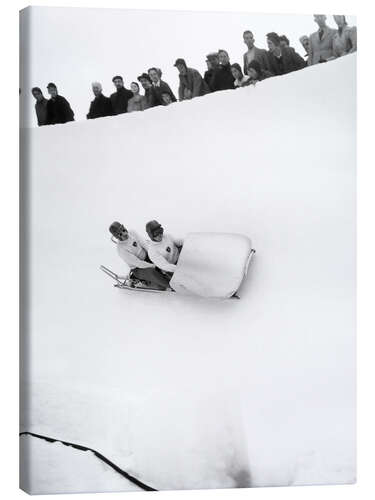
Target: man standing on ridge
(321, 42)
(191, 82)
(159, 85)
(282, 60)
(145, 80)
(253, 53)
(101, 106)
(40, 106)
(58, 108)
(120, 98)
(222, 78)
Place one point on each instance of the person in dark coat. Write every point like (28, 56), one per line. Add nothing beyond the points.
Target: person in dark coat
(40, 106)
(101, 105)
(222, 77)
(282, 60)
(150, 95)
(160, 87)
(191, 82)
(253, 53)
(284, 41)
(58, 108)
(212, 61)
(256, 73)
(120, 98)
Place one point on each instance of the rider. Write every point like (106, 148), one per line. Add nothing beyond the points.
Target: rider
(163, 249)
(133, 251)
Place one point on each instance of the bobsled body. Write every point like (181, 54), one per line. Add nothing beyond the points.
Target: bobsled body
(212, 265)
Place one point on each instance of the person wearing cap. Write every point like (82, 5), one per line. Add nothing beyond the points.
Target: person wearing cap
(212, 61)
(191, 82)
(138, 102)
(163, 249)
(321, 42)
(282, 60)
(40, 106)
(253, 53)
(241, 80)
(222, 78)
(120, 98)
(132, 249)
(145, 80)
(58, 108)
(101, 106)
(160, 87)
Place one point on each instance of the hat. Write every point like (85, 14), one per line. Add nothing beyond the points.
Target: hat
(274, 37)
(255, 65)
(153, 228)
(51, 86)
(145, 76)
(180, 61)
(117, 77)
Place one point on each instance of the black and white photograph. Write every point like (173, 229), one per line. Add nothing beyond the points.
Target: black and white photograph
(188, 250)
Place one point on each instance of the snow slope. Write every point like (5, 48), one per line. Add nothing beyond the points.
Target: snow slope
(184, 392)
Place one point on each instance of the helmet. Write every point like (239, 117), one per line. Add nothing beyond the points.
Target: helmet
(116, 229)
(153, 229)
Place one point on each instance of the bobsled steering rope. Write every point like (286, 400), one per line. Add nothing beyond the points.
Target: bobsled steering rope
(101, 457)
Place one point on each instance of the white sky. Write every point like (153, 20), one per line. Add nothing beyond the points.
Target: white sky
(74, 46)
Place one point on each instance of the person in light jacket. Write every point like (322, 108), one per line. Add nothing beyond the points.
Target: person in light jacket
(345, 39)
(132, 249)
(241, 80)
(163, 249)
(191, 82)
(137, 102)
(321, 42)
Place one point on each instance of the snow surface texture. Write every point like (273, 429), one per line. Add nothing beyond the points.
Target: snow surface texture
(183, 392)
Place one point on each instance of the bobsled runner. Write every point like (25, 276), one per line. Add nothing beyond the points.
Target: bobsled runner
(210, 265)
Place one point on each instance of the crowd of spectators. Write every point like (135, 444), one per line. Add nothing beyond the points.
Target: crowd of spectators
(258, 64)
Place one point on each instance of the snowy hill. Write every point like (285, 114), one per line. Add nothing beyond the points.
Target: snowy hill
(184, 392)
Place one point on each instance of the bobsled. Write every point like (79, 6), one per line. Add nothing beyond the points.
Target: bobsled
(210, 265)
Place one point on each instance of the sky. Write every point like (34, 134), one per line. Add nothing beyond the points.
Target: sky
(73, 47)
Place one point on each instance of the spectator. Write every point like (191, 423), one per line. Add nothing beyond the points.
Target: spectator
(160, 86)
(305, 44)
(137, 102)
(212, 61)
(101, 105)
(282, 60)
(284, 41)
(120, 98)
(345, 38)
(58, 108)
(321, 42)
(240, 80)
(191, 82)
(222, 77)
(166, 98)
(150, 95)
(256, 73)
(40, 106)
(253, 53)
